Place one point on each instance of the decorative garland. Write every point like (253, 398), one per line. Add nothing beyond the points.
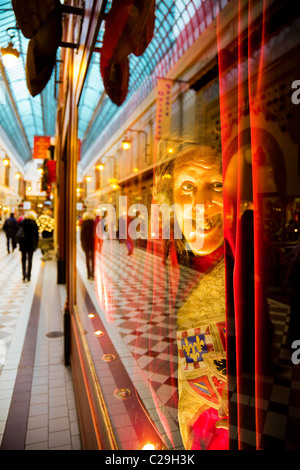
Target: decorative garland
(45, 223)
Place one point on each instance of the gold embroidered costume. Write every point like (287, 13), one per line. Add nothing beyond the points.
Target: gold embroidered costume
(201, 340)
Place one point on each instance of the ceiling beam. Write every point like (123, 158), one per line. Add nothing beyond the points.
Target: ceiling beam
(13, 104)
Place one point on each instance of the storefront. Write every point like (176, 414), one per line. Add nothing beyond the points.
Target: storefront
(187, 341)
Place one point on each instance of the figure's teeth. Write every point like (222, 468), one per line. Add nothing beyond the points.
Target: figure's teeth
(207, 225)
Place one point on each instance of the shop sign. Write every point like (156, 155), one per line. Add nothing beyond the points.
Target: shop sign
(41, 146)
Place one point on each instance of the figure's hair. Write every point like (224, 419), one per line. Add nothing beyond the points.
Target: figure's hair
(30, 215)
(164, 173)
(87, 216)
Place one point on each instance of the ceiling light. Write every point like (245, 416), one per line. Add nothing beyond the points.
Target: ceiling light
(126, 144)
(10, 55)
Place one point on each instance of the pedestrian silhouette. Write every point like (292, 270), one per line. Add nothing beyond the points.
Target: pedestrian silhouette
(87, 238)
(28, 238)
(10, 228)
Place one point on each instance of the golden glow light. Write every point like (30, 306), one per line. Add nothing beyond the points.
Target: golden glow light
(88, 178)
(125, 144)
(99, 333)
(45, 223)
(29, 188)
(18, 176)
(5, 161)
(100, 166)
(10, 55)
(148, 447)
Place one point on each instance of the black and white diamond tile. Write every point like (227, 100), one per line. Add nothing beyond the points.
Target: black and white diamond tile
(139, 307)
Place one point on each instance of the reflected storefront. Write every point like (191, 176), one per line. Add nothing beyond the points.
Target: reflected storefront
(185, 337)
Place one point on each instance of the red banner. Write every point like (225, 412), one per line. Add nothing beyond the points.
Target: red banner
(51, 171)
(41, 145)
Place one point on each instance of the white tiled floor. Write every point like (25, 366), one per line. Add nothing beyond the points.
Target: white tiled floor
(52, 420)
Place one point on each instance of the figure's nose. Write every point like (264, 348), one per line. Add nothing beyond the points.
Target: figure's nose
(203, 198)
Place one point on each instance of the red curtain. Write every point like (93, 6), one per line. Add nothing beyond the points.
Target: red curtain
(258, 145)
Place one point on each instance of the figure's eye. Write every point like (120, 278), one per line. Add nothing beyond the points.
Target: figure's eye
(217, 186)
(187, 186)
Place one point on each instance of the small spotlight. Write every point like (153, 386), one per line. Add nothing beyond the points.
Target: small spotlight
(5, 162)
(148, 447)
(18, 176)
(100, 167)
(91, 315)
(88, 178)
(98, 333)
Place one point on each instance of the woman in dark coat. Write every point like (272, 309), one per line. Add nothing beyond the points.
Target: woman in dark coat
(28, 242)
(87, 239)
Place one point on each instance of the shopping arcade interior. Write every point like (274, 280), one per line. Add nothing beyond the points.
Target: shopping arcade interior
(91, 120)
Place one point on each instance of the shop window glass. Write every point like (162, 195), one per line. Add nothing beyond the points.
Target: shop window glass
(189, 313)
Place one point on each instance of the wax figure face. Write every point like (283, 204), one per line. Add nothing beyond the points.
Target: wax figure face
(198, 181)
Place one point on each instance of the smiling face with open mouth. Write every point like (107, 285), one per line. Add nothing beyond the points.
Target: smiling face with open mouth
(198, 198)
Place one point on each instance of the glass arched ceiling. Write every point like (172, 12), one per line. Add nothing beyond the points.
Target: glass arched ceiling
(21, 116)
(178, 23)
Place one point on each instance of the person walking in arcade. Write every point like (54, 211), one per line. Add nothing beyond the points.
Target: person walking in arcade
(10, 228)
(28, 238)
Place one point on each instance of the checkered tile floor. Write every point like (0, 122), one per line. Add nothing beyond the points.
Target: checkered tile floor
(278, 409)
(48, 419)
(135, 304)
(12, 295)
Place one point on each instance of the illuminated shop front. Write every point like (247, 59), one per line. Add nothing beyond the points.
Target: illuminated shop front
(183, 338)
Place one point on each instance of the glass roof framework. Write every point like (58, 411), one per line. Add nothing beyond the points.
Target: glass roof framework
(22, 116)
(178, 23)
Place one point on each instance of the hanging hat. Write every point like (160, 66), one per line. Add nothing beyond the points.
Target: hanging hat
(41, 22)
(41, 53)
(129, 28)
(31, 14)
